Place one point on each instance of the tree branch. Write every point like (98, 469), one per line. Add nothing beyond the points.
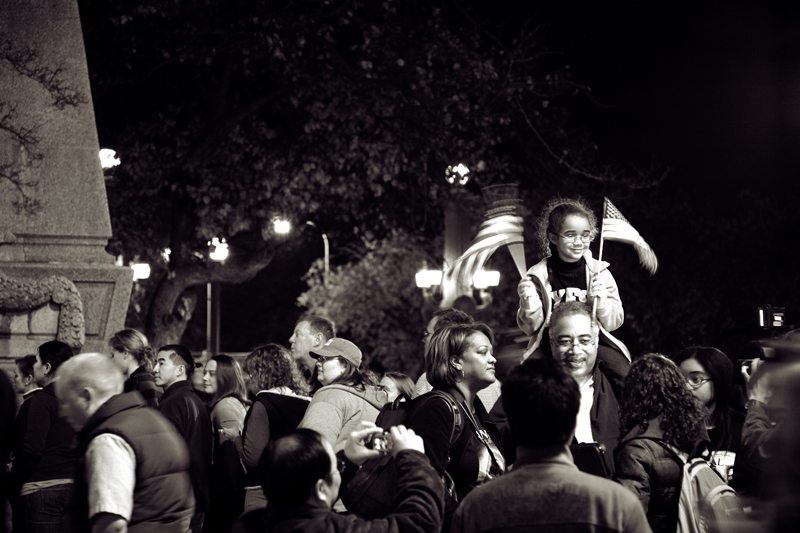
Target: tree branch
(645, 179)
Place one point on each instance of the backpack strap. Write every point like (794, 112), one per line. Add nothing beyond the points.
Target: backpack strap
(661, 442)
(458, 423)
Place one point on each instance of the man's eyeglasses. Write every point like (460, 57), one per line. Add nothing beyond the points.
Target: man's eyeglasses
(583, 342)
(572, 237)
(696, 381)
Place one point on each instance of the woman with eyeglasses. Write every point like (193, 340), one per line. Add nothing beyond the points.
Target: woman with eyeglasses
(658, 415)
(348, 394)
(568, 272)
(709, 376)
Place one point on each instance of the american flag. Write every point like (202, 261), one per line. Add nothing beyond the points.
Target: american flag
(617, 228)
(502, 226)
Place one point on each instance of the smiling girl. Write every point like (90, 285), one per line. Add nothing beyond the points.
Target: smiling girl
(566, 273)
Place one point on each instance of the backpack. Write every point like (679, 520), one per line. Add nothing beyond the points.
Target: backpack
(707, 504)
(371, 492)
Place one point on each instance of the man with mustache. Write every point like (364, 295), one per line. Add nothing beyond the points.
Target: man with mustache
(574, 335)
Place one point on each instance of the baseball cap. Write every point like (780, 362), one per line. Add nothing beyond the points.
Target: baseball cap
(341, 348)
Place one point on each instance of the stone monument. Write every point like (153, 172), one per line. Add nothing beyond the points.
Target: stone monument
(56, 279)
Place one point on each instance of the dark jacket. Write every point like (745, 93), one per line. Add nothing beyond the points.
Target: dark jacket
(418, 509)
(270, 417)
(432, 419)
(190, 416)
(19, 431)
(647, 469)
(48, 446)
(143, 381)
(162, 496)
(604, 415)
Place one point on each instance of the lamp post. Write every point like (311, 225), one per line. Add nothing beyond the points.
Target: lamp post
(213, 299)
(283, 227)
(326, 253)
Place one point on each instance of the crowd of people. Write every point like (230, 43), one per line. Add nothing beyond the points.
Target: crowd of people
(147, 439)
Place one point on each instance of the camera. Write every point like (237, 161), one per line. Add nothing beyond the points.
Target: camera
(780, 346)
(381, 442)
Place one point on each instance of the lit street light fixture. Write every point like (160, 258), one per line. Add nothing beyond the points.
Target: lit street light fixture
(219, 253)
(281, 226)
(140, 271)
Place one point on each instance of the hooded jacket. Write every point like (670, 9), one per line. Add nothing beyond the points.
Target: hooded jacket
(610, 316)
(337, 410)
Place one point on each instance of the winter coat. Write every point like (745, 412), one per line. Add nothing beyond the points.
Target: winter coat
(337, 410)
(610, 315)
(647, 469)
(190, 417)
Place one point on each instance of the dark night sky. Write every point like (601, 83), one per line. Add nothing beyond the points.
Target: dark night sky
(706, 90)
(711, 91)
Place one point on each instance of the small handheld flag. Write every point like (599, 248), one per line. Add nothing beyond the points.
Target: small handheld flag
(617, 228)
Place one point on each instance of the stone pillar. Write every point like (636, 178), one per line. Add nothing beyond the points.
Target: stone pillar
(56, 279)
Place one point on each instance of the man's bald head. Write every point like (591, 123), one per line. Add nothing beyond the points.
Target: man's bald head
(85, 382)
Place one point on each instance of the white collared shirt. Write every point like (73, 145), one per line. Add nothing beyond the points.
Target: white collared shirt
(583, 428)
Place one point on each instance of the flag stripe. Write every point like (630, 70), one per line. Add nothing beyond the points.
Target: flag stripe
(617, 228)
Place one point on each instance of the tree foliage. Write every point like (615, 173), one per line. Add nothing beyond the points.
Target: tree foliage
(229, 114)
(375, 302)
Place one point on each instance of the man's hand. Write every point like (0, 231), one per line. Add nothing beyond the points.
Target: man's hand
(758, 381)
(355, 448)
(406, 439)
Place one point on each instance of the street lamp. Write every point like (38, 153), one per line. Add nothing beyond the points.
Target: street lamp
(219, 253)
(140, 271)
(281, 226)
(108, 158)
(483, 279)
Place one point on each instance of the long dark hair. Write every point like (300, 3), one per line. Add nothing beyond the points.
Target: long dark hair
(720, 369)
(655, 387)
(230, 381)
(353, 377)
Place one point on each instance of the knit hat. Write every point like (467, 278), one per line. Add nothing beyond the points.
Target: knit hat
(341, 348)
